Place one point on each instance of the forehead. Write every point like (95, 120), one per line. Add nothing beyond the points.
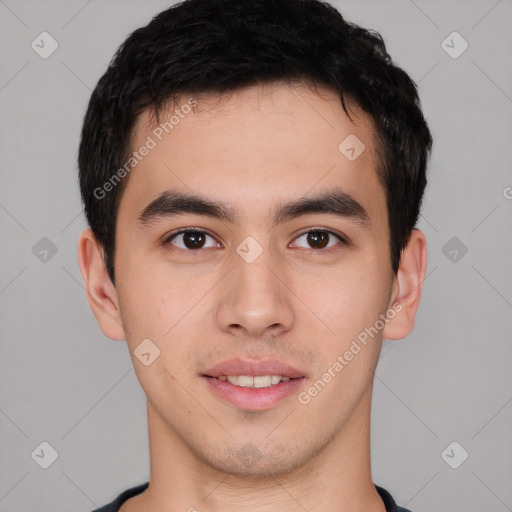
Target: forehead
(255, 146)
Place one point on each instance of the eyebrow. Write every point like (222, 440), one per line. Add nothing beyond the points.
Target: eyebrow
(335, 202)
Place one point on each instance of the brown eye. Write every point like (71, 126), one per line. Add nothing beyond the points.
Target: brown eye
(318, 239)
(190, 240)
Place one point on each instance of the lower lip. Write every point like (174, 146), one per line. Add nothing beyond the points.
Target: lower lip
(253, 399)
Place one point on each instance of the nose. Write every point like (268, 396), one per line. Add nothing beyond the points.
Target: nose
(255, 301)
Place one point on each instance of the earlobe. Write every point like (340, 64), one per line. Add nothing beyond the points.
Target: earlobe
(407, 287)
(101, 294)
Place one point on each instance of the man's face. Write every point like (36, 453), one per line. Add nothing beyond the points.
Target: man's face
(248, 290)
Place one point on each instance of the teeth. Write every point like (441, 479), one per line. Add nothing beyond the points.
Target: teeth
(246, 381)
(263, 381)
(233, 380)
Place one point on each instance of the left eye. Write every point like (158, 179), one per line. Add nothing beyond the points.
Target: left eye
(319, 238)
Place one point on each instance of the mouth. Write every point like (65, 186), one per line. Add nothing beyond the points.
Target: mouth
(260, 381)
(253, 385)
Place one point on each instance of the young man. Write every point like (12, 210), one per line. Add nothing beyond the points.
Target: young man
(252, 172)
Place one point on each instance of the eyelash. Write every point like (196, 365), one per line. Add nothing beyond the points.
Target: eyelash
(196, 252)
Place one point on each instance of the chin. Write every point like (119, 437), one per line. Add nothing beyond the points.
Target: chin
(246, 460)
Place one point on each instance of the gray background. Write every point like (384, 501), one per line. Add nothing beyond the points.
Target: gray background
(63, 382)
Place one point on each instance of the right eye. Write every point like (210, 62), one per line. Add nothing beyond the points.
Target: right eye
(189, 240)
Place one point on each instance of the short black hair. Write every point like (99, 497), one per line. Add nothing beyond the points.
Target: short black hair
(220, 46)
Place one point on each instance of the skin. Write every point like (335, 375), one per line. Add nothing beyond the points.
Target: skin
(252, 150)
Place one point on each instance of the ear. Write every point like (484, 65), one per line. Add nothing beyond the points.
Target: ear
(407, 286)
(101, 293)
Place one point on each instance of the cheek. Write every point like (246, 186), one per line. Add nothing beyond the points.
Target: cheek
(350, 300)
(145, 305)
(156, 319)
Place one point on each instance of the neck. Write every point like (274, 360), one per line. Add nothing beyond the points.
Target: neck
(337, 478)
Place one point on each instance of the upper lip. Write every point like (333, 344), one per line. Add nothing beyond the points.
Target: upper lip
(254, 368)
